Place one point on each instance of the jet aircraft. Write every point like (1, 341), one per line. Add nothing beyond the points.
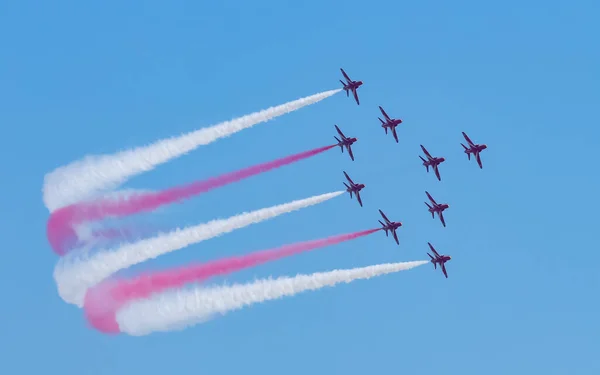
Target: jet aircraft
(391, 226)
(437, 207)
(439, 259)
(432, 162)
(473, 149)
(389, 123)
(345, 142)
(356, 188)
(351, 85)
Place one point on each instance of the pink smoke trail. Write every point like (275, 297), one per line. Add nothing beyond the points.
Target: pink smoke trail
(59, 228)
(104, 300)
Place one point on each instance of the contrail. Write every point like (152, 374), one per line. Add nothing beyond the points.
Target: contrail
(77, 181)
(59, 228)
(104, 300)
(75, 273)
(182, 308)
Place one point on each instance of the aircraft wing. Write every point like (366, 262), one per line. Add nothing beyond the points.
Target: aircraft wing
(345, 75)
(340, 132)
(431, 198)
(384, 217)
(432, 249)
(349, 147)
(426, 153)
(396, 237)
(468, 139)
(358, 198)
(394, 133)
(478, 160)
(437, 172)
(444, 270)
(385, 114)
(348, 178)
(339, 143)
(355, 96)
(441, 215)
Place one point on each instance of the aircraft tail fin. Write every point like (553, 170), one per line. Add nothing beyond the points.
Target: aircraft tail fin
(349, 190)
(425, 163)
(466, 149)
(433, 261)
(384, 228)
(339, 143)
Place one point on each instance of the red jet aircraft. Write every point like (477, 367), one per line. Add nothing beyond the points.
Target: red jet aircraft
(432, 162)
(437, 207)
(389, 123)
(351, 85)
(390, 225)
(473, 149)
(439, 259)
(356, 188)
(345, 142)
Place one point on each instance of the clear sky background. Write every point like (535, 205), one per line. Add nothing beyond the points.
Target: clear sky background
(523, 77)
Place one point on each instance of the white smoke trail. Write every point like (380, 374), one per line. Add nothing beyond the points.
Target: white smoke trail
(76, 272)
(182, 308)
(77, 181)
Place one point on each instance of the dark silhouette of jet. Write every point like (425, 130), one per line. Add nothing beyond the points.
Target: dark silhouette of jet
(354, 188)
(437, 207)
(351, 85)
(391, 226)
(473, 149)
(432, 162)
(345, 142)
(439, 259)
(390, 123)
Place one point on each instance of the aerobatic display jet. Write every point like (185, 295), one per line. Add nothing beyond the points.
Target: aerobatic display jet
(354, 188)
(439, 259)
(390, 123)
(437, 207)
(345, 142)
(351, 85)
(473, 149)
(432, 162)
(391, 226)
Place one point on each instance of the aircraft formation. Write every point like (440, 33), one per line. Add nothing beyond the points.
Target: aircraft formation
(433, 162)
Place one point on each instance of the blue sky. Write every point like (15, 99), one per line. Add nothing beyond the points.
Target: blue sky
(521, 76)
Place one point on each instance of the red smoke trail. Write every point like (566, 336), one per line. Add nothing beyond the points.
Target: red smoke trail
(104, 300)
(59, 228)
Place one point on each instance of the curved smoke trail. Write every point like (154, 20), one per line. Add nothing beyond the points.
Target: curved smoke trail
(76, 273)
(79, 180)
(62, 222)
(182, 308)
(104, 300)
